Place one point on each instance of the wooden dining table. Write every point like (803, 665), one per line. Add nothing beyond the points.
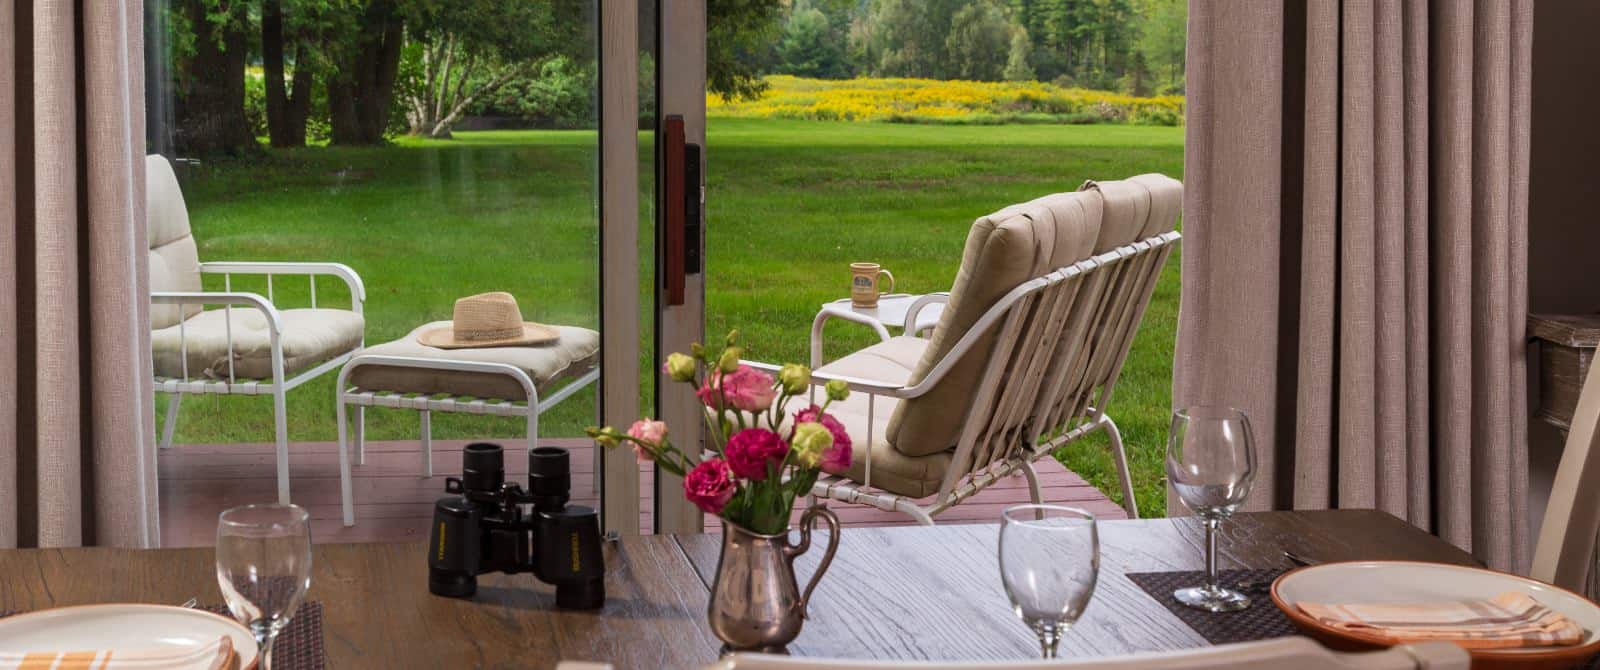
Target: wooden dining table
(895, 593)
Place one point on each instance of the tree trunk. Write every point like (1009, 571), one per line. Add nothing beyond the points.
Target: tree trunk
(298, 109)
(359, 99)
(211, 116)
(272, 69)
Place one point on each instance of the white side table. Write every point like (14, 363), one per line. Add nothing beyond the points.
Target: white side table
(913, 314)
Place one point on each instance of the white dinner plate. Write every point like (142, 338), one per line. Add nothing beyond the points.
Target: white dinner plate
(122, 626)
(1414, 582)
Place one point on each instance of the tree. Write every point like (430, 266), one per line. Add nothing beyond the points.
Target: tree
(1017, 67)
(977, 44)
(468, 49)
(291, 34)
(810, 46)
(1161, 40)
(907, 37)
(367, 57)
(735, 31)
(210, 80)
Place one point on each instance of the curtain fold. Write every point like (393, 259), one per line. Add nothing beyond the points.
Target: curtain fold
(76, 420)
(1359, 283)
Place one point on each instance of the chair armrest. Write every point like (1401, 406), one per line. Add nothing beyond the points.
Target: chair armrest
(863, 384)
(940, 298)
(274, 320)
(358, 290)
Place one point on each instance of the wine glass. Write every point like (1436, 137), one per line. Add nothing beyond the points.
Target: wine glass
(1049, 562)
(1211, 463)
(264, 567)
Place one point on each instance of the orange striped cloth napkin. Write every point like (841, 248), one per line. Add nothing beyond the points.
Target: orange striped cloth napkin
(1508, 620)
(218, 655)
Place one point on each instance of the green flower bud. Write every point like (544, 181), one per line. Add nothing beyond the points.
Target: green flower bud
(697, 351)
(795, 378)
(838, 390)
(811, 439)
(733, 336)
(729, 363)
(607, 436)
(681, 367)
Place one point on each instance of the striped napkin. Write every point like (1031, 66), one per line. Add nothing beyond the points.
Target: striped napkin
(218, 655)
(1508, 620)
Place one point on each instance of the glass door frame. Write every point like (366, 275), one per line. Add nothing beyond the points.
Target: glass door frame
(619, 257)
(681, 92)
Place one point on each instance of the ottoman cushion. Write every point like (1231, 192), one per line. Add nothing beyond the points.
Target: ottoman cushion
(570, 356)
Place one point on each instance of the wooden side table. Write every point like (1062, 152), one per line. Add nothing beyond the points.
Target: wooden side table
(1567, 344)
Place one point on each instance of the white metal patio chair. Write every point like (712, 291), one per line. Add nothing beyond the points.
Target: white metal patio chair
(1024, 358)
(506, 381)
(258, 350)
(1291, 652)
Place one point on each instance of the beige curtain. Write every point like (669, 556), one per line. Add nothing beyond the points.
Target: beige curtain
(75, 402)
(1355, 254)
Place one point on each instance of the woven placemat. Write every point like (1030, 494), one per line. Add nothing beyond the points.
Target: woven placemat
(1260, 621)
(298, 647)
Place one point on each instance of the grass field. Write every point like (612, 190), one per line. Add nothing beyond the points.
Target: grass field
(790, 204)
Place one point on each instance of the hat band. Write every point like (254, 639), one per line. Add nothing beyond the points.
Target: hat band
(495, 334)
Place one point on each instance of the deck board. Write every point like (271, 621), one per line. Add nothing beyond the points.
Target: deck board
(393, 502)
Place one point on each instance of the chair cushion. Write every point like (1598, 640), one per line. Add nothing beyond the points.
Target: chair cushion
(310, 336)
(891, 361)
(573, 354)
(1136, 208)
(174, 260)
(1003, 250)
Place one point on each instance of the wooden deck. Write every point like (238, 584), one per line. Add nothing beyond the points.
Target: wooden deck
(394, 503)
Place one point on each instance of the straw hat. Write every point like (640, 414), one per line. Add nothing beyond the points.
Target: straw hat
(487, 320)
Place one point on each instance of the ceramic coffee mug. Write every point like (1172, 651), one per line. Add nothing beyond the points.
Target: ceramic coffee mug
(864, 284)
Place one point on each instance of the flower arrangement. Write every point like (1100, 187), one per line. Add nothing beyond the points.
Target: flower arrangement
(761, 457)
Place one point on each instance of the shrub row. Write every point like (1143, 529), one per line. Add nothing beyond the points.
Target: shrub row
(933, 101)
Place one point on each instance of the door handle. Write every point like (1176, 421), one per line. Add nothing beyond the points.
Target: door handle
(682, 203)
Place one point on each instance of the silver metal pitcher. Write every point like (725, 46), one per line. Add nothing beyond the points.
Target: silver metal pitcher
(756, 604)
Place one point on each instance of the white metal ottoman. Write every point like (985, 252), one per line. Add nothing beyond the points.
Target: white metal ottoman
(498, 381)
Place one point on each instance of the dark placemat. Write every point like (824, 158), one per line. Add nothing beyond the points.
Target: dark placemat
(298, 647)
(1260, 621)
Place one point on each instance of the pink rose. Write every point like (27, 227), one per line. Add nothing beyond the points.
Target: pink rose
(652, 432)
(836, 460)
(709, 485)
(746, 389)
(750, 450)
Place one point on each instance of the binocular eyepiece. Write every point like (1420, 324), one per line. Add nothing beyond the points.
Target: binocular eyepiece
(483, 528)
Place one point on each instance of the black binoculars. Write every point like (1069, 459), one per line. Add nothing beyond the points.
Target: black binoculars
(484, 528)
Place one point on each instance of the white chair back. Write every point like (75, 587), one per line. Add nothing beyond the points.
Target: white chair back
(1294, 652)
(1564, 555)
(174, 259)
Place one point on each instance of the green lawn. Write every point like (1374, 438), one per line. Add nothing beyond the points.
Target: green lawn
(790, 204)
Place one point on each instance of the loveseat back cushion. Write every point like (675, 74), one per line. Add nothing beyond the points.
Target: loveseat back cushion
(1003, 250)
(174, 260)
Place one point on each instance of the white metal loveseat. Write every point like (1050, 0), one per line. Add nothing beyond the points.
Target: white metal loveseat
(258, 350)
(1024, 358)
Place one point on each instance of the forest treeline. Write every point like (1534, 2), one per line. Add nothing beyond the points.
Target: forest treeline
(357, 72)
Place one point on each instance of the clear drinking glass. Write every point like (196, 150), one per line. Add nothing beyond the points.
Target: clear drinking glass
(264, 567)
(1049, 562)
(1211, 462)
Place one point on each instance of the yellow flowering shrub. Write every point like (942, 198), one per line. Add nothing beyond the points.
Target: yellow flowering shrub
(934, 101)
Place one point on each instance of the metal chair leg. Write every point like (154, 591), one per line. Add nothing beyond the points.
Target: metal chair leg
(361, 435)
(1035, 493)
(345, 493)
(1120, 455)
(170, 421)
(280, 413)
(427, 442)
